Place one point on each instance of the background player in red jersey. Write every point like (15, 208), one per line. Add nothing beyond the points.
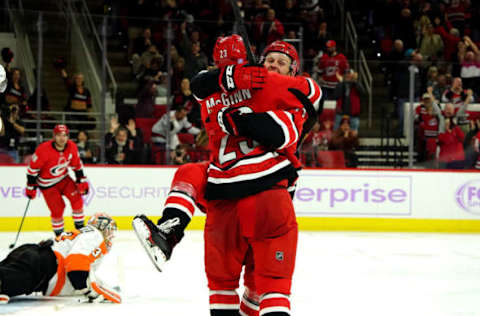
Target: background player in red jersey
(48, 170)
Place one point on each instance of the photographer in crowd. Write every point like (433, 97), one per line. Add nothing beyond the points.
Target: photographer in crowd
(13, 130)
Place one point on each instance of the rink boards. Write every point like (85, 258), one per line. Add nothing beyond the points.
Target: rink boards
(352, 200)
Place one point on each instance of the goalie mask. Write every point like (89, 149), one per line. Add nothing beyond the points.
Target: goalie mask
(106, 225)
(229, 50)
(284, 48)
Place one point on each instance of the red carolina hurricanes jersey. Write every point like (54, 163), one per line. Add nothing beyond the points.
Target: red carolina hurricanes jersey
(50, 166)
(188, 188)
(428, 122)
(329, 66)
(240, 166)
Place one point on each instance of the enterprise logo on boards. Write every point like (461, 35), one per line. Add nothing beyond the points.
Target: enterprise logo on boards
(349, 194)
(468, 196)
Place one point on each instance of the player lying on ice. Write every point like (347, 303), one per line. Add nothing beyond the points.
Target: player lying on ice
(62, 267)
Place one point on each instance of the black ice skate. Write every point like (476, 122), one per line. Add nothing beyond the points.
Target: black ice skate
(154, 239)
(3, 297)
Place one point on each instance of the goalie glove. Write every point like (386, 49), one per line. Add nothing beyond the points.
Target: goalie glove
(244, 76)
(227, 119)
(82, 186)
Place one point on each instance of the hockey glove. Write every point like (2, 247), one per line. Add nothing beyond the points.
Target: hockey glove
(31, 191)
(82, 186)
(244, 76)
(227, 119)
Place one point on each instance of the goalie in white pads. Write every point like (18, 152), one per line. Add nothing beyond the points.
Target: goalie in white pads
(64, 267)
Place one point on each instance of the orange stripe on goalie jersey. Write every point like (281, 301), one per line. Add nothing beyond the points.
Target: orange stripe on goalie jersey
(182, 201)
(60, 274)
(81, 262)
(107, 294)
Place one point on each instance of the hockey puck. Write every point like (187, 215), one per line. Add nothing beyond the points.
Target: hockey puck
(11, 246)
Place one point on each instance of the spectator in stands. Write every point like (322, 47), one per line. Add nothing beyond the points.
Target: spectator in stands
(268, 29)
(288, 15)
(13, 130)
(457, 95)
(172, 123)
(450, 38)
(195, 59)
(318, 138)
(183, 95)
(401, 82)
(450, 141)
(348, 99)
(142, 43)
(79, 100)
(431, 45)
(146, 100)
(180, 155)
(439, 86)
(404, 29)
(148, 64)
(346, 140)
(88, 152)
(118, 149)
(426, 127)
(455, 14)
(16, 92)
(327, 68)
(470, 145)
(468, 56)
(392, 62)
(135, 138)
(178, 73)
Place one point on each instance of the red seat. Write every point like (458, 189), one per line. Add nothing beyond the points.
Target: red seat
(186, 138)
(331, 158)
(6, 159)
(159, 110)
(145, 124)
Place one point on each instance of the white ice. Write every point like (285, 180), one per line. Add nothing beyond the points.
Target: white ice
(337, 273)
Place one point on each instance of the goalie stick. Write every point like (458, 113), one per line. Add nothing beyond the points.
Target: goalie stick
(243, 31)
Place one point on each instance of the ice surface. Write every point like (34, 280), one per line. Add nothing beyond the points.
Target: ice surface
(337, 273)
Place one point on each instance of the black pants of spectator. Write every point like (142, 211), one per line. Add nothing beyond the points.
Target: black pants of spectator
(27, 269)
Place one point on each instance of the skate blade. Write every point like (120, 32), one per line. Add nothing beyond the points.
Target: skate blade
(157, 256)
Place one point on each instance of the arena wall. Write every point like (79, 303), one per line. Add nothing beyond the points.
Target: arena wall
(350, 200)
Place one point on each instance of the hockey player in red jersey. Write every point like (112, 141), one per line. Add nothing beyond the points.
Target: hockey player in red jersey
(64, 267)
(277, 61)
(48, 170)
(251, 221)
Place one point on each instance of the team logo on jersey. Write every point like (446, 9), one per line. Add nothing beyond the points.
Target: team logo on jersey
(61, 166)
(279, 255)
(468, 197)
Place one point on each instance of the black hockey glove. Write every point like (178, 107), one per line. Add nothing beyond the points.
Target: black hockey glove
(228, 118)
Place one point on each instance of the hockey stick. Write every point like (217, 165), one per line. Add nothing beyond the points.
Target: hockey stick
(243, 31)
(21, 224)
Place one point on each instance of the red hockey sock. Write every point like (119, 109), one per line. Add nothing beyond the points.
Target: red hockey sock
(224, 303)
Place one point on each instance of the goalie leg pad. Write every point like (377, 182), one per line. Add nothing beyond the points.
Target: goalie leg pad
(154, 242)
(107, 294)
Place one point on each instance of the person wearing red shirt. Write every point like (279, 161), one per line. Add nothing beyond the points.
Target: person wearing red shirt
(48, 170)
(452, 155)
(328, 66)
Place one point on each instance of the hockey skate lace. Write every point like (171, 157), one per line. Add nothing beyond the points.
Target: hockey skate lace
(167, 226)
